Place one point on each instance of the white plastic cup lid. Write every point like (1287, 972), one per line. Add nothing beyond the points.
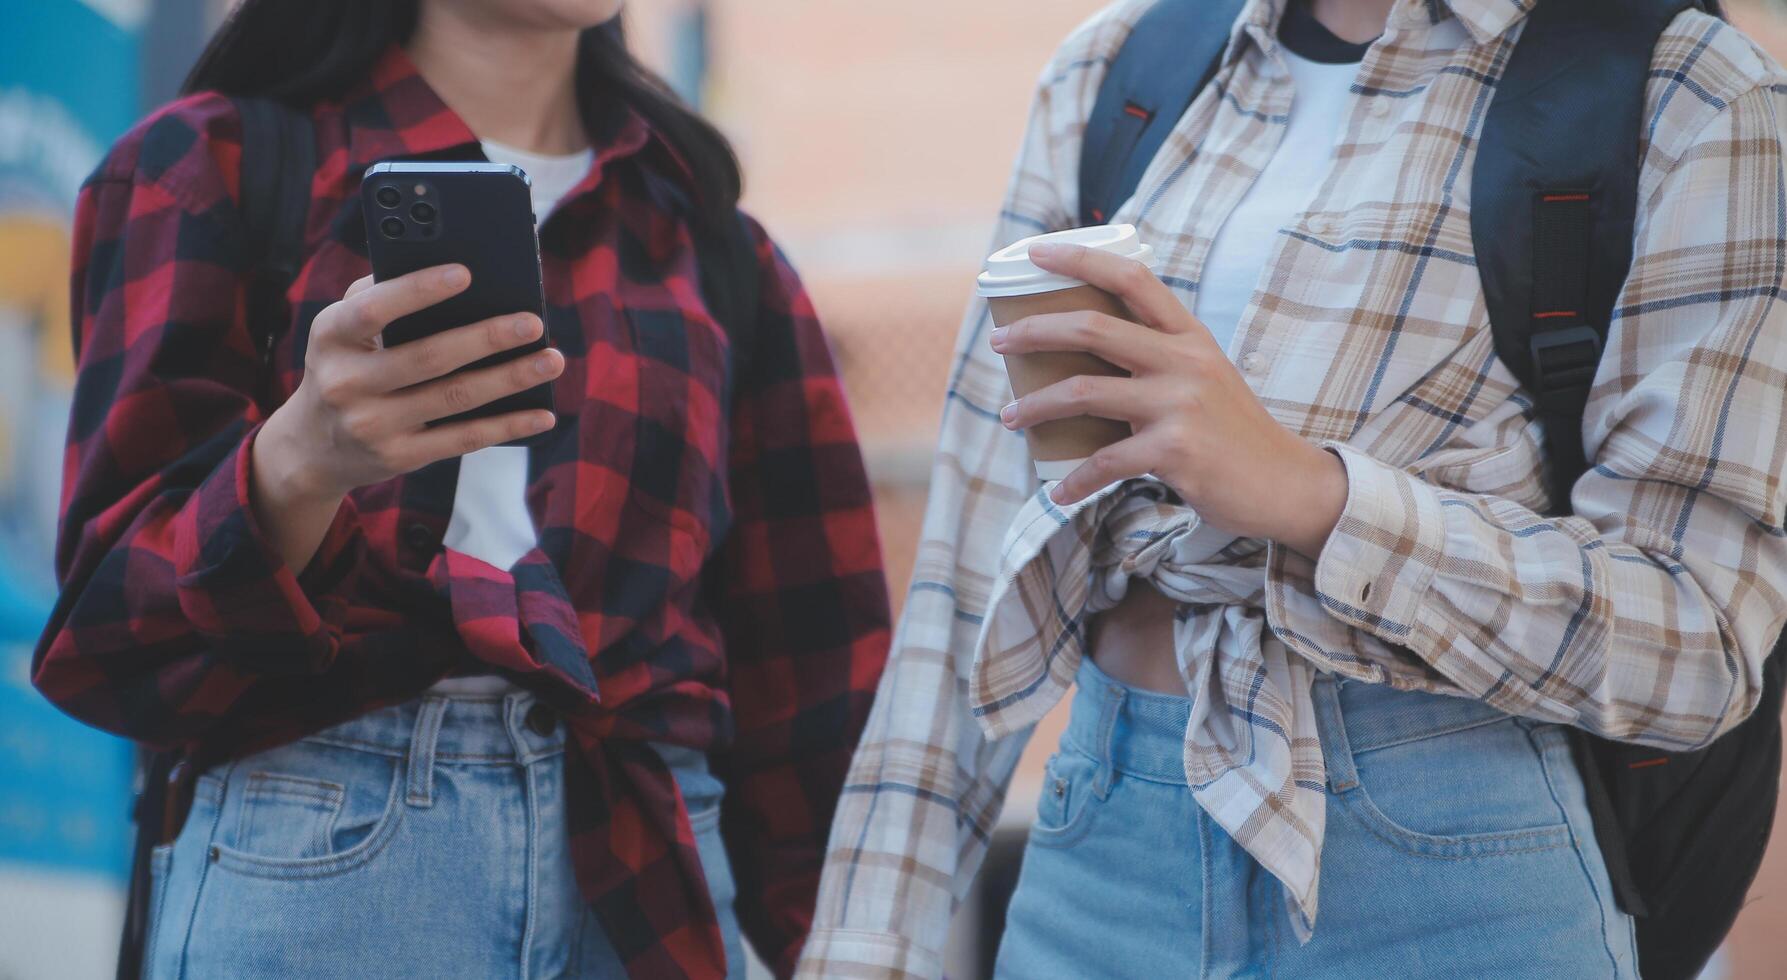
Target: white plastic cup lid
(1009, 271)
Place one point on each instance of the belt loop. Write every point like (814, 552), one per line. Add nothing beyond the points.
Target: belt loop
(1337, 752)
(1110, 706)
(421, 757)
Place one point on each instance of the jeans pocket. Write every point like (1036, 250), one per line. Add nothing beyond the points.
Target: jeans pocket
(284, 816)
(1064, 813)
(1458, 793)
(308, 810)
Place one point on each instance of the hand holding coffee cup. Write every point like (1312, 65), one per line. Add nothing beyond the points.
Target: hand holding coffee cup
(1016, 288)
(1186, 415)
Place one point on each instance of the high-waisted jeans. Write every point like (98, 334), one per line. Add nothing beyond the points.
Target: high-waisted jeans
(1458, 845)
(422, 840)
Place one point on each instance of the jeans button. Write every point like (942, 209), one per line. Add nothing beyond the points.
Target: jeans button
(541, 720)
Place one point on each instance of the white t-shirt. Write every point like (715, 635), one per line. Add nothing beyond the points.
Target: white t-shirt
(1244, 245)
(490, 520)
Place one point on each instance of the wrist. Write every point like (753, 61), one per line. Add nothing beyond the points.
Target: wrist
(283, 473)
(1318, 500)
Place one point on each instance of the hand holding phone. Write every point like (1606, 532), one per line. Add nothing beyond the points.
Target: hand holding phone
(365, 412)
(440, 352)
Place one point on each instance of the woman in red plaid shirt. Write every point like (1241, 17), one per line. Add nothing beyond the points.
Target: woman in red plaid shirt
(458, 710)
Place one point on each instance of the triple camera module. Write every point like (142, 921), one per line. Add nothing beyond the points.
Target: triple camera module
(392, 197)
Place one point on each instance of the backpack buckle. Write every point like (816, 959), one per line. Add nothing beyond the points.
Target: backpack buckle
(1565, 359)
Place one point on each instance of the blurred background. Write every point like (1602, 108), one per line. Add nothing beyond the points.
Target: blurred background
(876, 138)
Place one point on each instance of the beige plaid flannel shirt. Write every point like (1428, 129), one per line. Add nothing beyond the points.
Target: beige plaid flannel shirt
(1645, 616)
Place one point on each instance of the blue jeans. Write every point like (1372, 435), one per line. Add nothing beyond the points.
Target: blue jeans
(1458, 844)
(422, 840)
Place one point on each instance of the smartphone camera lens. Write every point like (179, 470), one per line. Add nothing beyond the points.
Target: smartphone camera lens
(422, 211)
(392, 227)
(389, 197)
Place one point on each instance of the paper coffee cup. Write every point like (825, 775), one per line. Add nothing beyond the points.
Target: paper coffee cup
(1016, 288)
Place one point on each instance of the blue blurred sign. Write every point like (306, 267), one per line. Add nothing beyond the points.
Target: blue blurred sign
(68, 87)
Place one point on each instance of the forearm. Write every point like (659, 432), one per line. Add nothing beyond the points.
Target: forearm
(293, 512)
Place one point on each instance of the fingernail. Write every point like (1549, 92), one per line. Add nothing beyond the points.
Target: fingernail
(543, 364)
(1049, 251)
(1058, 493)
(455, 276)
(524, 327)
(1008, 413)
(998, 337)
(541, 423)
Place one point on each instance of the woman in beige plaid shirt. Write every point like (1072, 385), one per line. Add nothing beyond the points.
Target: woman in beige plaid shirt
(1332, 640)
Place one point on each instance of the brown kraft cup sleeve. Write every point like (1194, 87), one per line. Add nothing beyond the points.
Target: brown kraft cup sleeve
(1082, 435)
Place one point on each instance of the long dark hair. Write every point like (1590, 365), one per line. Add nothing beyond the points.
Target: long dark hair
(302, 51)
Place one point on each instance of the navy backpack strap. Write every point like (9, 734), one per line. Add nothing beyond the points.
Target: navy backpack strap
(1554, 197)
(1170, 55)
(278, 164)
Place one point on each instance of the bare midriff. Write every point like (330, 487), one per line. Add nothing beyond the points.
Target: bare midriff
(1133, 642)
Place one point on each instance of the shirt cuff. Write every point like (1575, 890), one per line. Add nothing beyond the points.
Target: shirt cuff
(1379, 563)
(855, 953)
(237, 591)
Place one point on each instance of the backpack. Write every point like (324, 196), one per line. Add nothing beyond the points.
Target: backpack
(278, 164)
(1555, 192)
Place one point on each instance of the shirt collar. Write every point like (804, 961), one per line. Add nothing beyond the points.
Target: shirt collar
(1484, 20)
(396, 114)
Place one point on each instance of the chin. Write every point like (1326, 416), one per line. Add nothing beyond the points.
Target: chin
(536, 14)
(575, 13)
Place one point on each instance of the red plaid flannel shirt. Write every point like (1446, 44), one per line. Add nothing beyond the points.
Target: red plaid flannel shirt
(707, 572)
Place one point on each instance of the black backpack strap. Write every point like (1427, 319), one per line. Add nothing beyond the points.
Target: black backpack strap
(731, 285)
(1554, 200)
(1554, 196)
(278, 164)
(1171, 54)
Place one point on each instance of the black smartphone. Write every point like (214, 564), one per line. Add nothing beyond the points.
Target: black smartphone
(479, 215)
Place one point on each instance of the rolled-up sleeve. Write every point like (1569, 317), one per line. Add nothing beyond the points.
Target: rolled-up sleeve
(926, 786)
(1647, 613)
(174, 602)
(804, 605)
(234, 587)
